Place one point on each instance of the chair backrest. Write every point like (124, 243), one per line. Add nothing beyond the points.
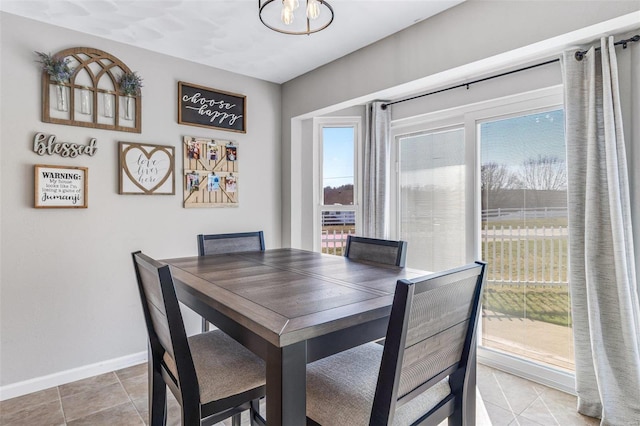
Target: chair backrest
(376, 250)
(165, 326)
(431, 335)
(230, 243)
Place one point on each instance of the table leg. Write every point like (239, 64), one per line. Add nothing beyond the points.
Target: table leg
(286, 385)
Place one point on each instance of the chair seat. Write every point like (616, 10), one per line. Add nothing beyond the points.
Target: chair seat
(340, 389)
(223, 366)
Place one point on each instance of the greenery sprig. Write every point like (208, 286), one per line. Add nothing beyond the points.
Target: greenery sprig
(130, 83)
(57, 68)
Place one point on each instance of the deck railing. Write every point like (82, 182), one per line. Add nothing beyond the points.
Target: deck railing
(534, 255)
(333, 241)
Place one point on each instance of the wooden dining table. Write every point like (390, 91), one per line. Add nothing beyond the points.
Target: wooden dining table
(290, 307)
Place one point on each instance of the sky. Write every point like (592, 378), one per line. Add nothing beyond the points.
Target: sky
(513, 140)
(337, 153)
(508, 141)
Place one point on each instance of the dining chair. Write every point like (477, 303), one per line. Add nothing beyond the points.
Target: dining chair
(211, 375)
(228, 243)
(376, 250)
(424, 373)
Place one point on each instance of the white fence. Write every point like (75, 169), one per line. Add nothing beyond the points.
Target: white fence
(334, 241)
(519, 213)
(526, 255)
(533, 255)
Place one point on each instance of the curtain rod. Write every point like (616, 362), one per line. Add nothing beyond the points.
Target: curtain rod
(579, 55)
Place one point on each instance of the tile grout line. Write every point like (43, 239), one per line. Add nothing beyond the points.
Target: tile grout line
(64, 416)
(129, 397)
(515, 416)
(107, 408)
(546, 406)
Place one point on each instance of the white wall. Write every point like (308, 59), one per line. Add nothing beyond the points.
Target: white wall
(68, 292)
(425, 55)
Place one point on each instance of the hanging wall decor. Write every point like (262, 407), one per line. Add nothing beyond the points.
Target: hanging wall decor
(146, 169)
(87, 87)
(60, 187)
(210, 172)
(204, 107)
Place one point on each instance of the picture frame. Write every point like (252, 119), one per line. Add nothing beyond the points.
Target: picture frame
(211, 108)
(60, 187)
(146, 169)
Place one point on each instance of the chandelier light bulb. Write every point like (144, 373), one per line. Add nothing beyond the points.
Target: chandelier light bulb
(291, 4)
(319, 15)
(313, 9)
(287, 15)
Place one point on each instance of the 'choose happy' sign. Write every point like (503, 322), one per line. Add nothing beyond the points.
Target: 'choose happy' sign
(205, 107)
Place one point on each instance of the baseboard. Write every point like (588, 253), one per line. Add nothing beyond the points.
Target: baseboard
(39, 383)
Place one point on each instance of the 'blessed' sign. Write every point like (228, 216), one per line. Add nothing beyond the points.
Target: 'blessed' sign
(43, 144)
(205, 107)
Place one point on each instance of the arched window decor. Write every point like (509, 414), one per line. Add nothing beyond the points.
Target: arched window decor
(91, 97)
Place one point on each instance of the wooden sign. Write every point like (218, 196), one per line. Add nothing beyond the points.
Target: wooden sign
(211, 171)
(146, 169)
(205, 107)
(65, 149)
(60, 186)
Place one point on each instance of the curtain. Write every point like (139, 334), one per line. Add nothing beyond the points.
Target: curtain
(604, 288)
(376, 174)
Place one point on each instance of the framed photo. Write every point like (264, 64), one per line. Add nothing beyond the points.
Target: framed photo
(205, 107)
(146, 169)
(60, 187)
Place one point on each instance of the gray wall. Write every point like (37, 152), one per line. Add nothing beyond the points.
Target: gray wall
(68, 293)
(472, 31)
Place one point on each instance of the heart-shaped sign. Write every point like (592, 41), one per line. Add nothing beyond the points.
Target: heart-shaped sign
(148, 166)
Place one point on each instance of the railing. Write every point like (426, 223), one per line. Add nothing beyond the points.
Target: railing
(526, 255)
(334, 241)
(519, 213)
(338, 218)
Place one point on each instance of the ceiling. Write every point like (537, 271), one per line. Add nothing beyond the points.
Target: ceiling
(228, 34)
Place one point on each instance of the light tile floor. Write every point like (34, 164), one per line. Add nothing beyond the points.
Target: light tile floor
(120, 399)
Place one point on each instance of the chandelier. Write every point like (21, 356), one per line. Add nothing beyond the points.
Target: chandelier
(287, 17)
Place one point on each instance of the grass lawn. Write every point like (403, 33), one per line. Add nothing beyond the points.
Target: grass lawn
(548, 304)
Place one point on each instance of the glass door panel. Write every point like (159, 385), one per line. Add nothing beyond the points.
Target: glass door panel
(526, 308)
(432, 198)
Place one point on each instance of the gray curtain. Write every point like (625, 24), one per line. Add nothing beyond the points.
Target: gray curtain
(376, 175)
(604, 287)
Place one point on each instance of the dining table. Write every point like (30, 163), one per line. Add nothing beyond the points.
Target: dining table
(290, 307)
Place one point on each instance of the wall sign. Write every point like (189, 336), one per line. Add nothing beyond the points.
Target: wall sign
(146, 169)
(60, 186)
(205, 107)
(211, 171)
(43, 144)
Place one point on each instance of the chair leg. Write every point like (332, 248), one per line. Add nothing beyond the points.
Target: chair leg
(236, 420)
(205, 325)
(157, 398)
(254, 414)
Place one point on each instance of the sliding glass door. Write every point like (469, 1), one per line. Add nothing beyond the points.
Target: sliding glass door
(494, 187)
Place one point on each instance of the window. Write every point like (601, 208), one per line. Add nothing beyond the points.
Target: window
(337, 212)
